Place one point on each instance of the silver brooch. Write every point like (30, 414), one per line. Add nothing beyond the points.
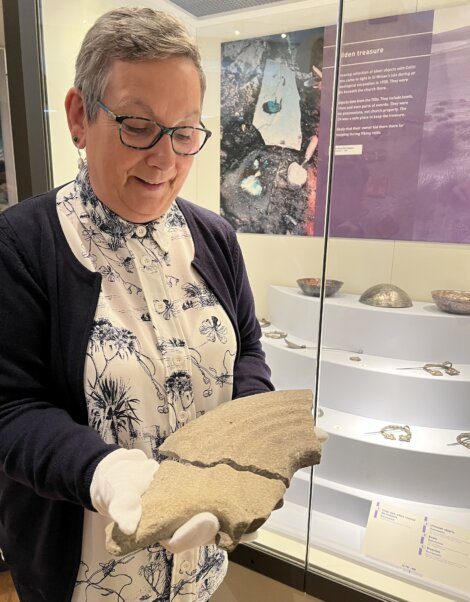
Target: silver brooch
(462, 439)
(390, 431)
(436, 369)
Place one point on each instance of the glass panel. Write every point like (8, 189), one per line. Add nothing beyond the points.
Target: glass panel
(264, 69)
(391, 498)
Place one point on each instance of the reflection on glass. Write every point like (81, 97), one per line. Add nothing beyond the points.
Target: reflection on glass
(270, 86)
(391, 502)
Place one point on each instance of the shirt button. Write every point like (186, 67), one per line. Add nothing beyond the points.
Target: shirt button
(145, 261)
(141, 231)
(182, 417)
(160, 306)
(178, 360)
(185, 565)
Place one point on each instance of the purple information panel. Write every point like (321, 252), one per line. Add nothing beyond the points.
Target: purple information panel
(380, 124)
(442, 202)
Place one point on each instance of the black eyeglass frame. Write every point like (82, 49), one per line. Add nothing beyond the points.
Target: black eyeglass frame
(164, 130)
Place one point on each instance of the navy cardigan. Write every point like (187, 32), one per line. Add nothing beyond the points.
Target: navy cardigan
(48, 453)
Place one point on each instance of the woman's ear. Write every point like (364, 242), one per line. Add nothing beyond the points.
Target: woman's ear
(76, 116)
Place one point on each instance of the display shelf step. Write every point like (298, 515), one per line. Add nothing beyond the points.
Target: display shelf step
(425, 440)
(290, 368)
(353, 505)
(328, 555)
(332, 535)
(329, 534)
(455, 515)
(420, 333)
(425, 469)
(375, 386)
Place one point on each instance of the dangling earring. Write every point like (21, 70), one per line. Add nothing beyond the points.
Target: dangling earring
(81, 160)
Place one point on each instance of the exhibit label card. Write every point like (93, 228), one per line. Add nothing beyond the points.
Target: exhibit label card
(393, 536)
(419, 545)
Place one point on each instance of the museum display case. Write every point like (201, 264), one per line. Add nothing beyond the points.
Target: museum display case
(339, 154)
(390, 508)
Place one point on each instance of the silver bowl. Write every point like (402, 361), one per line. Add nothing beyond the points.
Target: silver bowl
(386, 295)
(452, 302)
(312, 286)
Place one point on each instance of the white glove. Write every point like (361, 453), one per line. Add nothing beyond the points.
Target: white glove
(321, 435)
(200, 530)
(118, 483)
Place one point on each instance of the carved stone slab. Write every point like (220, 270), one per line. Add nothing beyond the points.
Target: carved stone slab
(270, 434)
(241, 500)
(235, 461)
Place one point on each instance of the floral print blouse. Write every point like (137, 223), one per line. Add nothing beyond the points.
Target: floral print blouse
(161, 353)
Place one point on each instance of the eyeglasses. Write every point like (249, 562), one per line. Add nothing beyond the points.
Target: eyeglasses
(143, 133)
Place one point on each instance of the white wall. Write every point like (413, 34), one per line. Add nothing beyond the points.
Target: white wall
(416, 267)
(65, 25)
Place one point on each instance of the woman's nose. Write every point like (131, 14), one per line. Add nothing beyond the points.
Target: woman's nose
(162, 154)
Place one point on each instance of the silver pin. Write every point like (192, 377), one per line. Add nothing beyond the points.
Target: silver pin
(435, 369)
(358, 351)
(292, 345)
(388, 432)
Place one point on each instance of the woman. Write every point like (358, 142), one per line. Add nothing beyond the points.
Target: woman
(125, 312)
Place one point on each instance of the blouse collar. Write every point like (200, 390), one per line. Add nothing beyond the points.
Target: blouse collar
(115, 229)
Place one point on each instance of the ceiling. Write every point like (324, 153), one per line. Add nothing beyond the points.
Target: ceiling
(207, 8)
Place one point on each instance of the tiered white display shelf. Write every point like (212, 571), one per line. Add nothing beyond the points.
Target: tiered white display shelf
(425, 475)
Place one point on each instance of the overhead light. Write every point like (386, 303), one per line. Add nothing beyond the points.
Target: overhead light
(283, 35)
(237, 32)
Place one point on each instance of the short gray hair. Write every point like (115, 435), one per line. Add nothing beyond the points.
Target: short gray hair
(129, 33)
